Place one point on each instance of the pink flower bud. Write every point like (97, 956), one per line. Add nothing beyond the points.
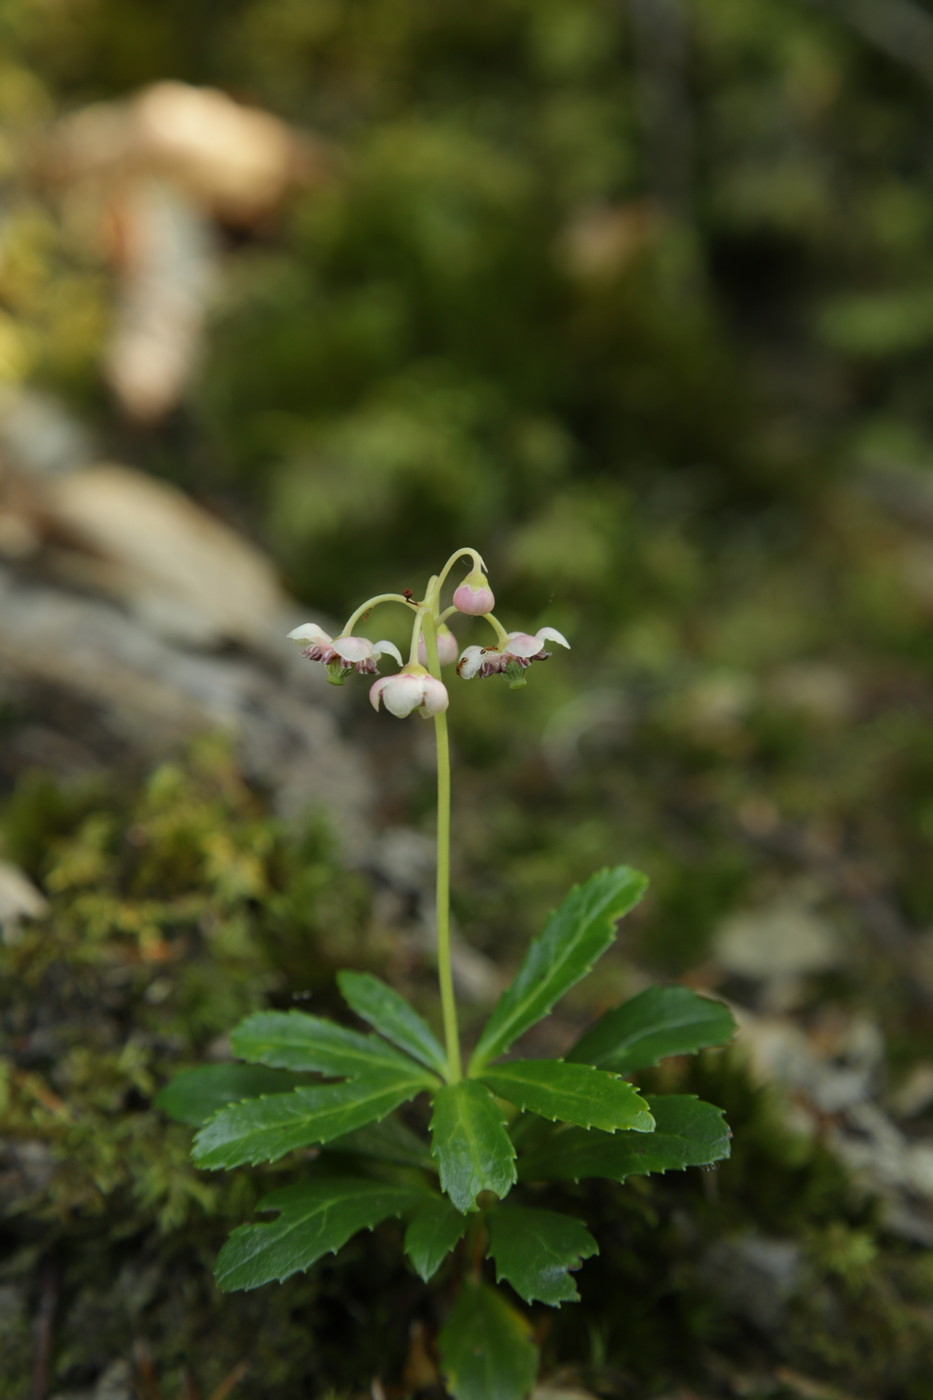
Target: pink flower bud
(447, 647)
(474, 596)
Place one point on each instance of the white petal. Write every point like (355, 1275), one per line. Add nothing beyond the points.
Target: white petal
(353, 649)
(390, 647)
(436, 698)
(520, 644)
(376, 689)
(309, 634)
(401, 694)
(551, 634)
(470, 661)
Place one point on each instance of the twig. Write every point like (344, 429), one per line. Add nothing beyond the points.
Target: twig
(229, 1381)
(145, 1372)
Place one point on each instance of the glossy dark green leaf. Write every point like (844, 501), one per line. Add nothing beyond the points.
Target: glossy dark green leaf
(388, 1141)
(263, 1130)
(688, 1133)
(575, 935)
(295, 1040)
(315, 1218)
(432, 1234)
(579, 1094)
(535, 1249)
(392, 1016)
(486, 1348)
(659, 1021)
(195, 1094)
(468, 1139)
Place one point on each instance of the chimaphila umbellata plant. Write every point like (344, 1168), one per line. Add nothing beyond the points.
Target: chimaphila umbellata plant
(497, 1124)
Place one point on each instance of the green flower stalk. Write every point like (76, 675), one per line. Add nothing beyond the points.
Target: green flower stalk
(418, 687)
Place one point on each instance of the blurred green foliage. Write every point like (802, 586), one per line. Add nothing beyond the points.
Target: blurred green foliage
(635, 299)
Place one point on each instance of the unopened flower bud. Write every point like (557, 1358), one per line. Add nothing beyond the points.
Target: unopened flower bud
(447, 647)
(474, 596)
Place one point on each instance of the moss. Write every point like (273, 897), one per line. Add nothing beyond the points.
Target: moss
(174, 910)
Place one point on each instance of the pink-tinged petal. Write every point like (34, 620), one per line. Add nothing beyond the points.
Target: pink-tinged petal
(470, 661)
(475, 601)
(402, 694)
(435, 699)
(389, 647)
(353, 649)
(520, 644)
(551, 634)
(375, 691)
(309, 634)
(447, 646)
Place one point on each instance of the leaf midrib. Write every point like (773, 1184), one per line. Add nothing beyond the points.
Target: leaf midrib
(557, 966)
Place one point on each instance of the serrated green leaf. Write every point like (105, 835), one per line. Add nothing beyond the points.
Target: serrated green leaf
(657, 1022)
(263, 1130)
(295, 1040)
(688, 1133)
(392, 1016)
(578, 1094)
(315, 1218)
(575, 935)
(486, 1348)
(432, 1234)
(468, 1138)
(389, 1141)
(195, 1094)
(534, 1249)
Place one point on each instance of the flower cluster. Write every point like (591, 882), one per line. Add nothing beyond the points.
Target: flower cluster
(343, 653)
(417, 686)
(514, 655)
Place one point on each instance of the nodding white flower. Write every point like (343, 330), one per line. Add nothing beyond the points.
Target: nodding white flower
(512, 658)
(474, 596)
(341, 654)
(446, 647)
(412, 689)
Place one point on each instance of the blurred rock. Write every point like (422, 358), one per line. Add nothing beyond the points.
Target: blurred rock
(39, 436)
(168, 262)
(19, 898)
(236, 162)
(27, 1168)
(778, 943)
(101, 688)
(822, 693)
(915, 1095)
(833, 1068)
(148, 545)
(147, 181)
(834, 1075)
(756, 1276)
